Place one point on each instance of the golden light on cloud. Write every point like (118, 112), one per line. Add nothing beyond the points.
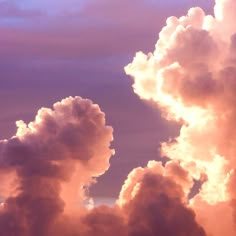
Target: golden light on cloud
(191, 76)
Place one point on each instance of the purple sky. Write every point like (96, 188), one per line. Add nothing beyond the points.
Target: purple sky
(53, 49)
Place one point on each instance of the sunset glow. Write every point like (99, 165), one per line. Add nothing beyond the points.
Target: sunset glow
(151, 151)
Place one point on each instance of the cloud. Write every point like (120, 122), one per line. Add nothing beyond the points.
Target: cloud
(52, 158)
(159, 208)
(55, 158)
(155, 206)
(150, 203)
(191, 76)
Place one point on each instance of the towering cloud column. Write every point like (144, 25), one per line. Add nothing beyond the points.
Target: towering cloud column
(191, 76)
(51, 161)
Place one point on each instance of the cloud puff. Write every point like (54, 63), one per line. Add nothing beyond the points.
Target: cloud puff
(151, 203)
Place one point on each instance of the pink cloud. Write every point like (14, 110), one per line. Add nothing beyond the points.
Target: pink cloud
(191, 77)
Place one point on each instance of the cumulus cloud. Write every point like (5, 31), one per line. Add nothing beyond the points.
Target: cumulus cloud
(52, 160)
(191, 76)
(150, 203)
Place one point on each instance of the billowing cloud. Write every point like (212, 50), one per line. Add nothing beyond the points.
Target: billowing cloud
(150, 203)
(53, 159)
(191, 76)
(158, 204)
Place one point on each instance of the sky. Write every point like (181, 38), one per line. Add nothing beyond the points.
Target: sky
(106, 102)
